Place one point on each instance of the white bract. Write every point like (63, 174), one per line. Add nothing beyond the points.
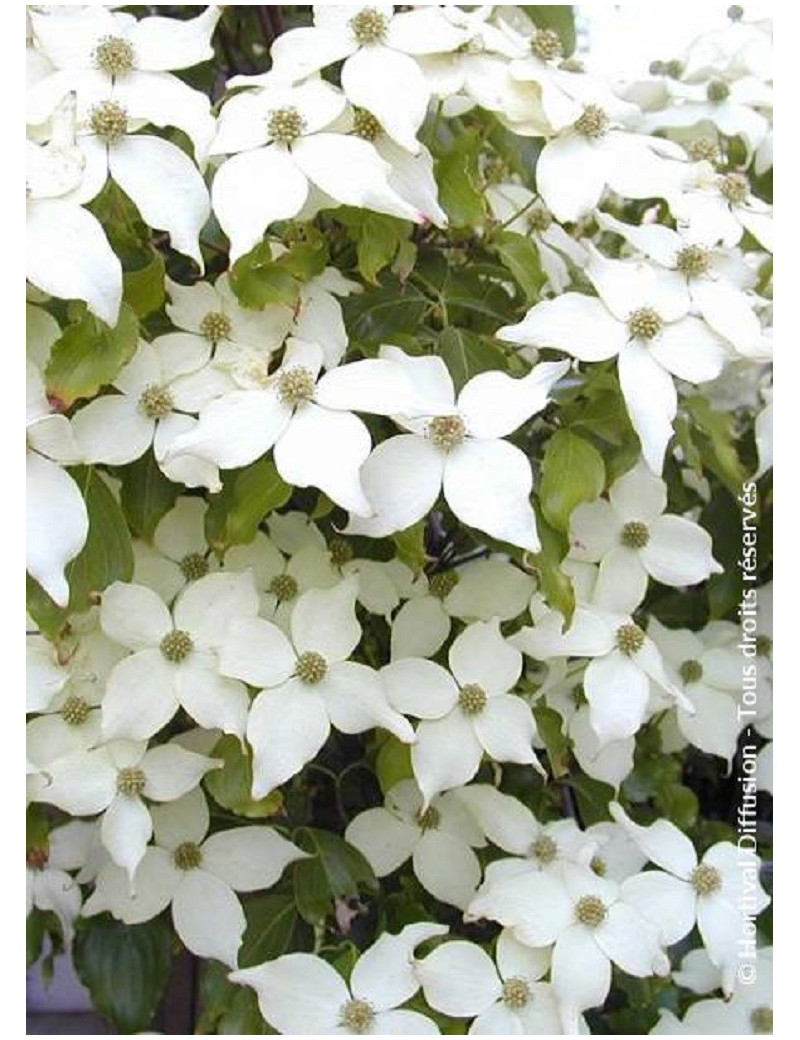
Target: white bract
(48, 885)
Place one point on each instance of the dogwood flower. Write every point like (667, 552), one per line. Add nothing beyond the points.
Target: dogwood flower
(48, 885)
(301, 993)
(114, 780)
(179, 553)
(175, 656)
(459, 448)
(641, 317)
(197, 875)
(721, 207)
(306, 683)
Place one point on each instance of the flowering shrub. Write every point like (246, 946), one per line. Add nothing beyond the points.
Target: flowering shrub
(399, 510)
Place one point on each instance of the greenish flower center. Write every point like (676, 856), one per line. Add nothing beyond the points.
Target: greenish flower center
(735, 187)
(442, 584)
(657, 68)
(703, 149)
(546, 44)
(598, 866)
(593, 123)
(736, 13)
(369, 26)
(357, 1016)
(109, 121)
(591, 911)
(674, 68)
(285, 125)
(311, 667)
(634, 535)
(691, 671)
(283, 587)
(706, 880)
(75, 711)
(446, 432)
(187, 856)
(296, 385)
(516, 994)
(644, 323)
(341, 552)
(472, 699)
(693, 261)
(194, 566)
(156, 402)
(539, 219)
(761, 1020)
(366, 125)
(544, 849)
(717, 90)
(429, 819)
(216, 326)
(114, 56)
(131, 781)
(763, 646)
(176, 646)
(630, 639)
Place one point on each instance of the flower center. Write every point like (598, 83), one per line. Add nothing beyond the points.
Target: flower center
(341, 552)
(703, 149)
(630, 639)
(187, 856)
(736, 13)
(591, 911)
(429, 819)
(215, 326)
(761, 1020)
(544, 849)
(296, 386)
(75, 711)
(442, 584)
(634, 535)
(706, 880)
(36, 857)
(311, 667)
(691, 671)
(644, 323)
(366, 125)
(156, 402)
(285, 125)
(472, 699)
(717, 90)
(693, 261)
(546, 44)
(283, 587)
(735, 187)
(194, 566)
(446, 431)
(109, 121)
(516, 993)
(598, 866)
(593, 123)
(357, 1015)
(176, 646)
(114, 56)
(763, 646)
(131, 781)
(369, 26)
(539, 219)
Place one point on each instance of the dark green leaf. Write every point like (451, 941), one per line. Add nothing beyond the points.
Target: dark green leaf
(379, 315)
(273, 928)
(521, 257)
(555, 585)
(377, 236)
(146, 495)
(410, 546)
(88, 355)
(393, 763)
(572, 472)
(466, 354)
(715, 438)
(460, 189)
(143, 287)
(337, 871)
(247, 496)
(549, 724)
(125, 968)
(231, 786)
(593, 797)
(258, 281)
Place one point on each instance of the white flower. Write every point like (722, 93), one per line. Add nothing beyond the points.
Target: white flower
(710, 892)
(114, 780)
(175, 657)
(487, 481)
(641, 318)
(179, 553)
(721, 207)
(440, 839)
(48, 885)
(631, 538)
(300, 993)
(51, 492)
(307, 683)
(197, 875)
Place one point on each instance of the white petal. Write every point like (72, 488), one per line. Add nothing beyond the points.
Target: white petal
(425, 30)
(481, 655)
(625, 285)
(579, 325)
(489, 588)
(165, 100)
(325, 449)
(207, 607)
(679, 552)
(113, 430)
(134, 616)
(376, 385)
(236, 429)
(715, 724)
(667, 902)
(356, 702)
(154, 884)
(418, 687)
(44, 677)
(618, 692)
(167, 43)
(252, 190)
(300, 52)
(81, 784)
(172, 771)
(384, 841)
(621, 581)
(728, 311)
(506, 730)
(638, 495)
(587, 636)
(166, 187)
(534, 903)
(661, 842)
(429, 374)
(412, 178)
(51, 492)
(626, 939)
(126, 830)
(186, 819)
(419, 628)
(68, 256)
(256, 651)
(516, 959)
(488, 484)
(385, 975)
(141, 696)
(505, 820)
(208, 917)
(720, 925)
(286, 728)
(297, 993)
(324, 621)
(570, 176)
(581, 972)
(400, 1022)
(459, 979)
(55, 890)
(494, 405)
(392, 87)
(651, 400)
(690, 350)
(594, 530)
(447, 868)
(213, 701)
(446, 754)
(181, 531)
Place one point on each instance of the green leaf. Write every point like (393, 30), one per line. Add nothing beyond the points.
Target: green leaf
(593, 797)
(380, 315)
(378, 238)
(337, 871)
(125, 968)
(88, 355)
(410, 546)
(467, 353)
(521, 257)
(257, 280)
(560, 17)
(35, 931)
(307, 258)
(549, 724)
(715, 437)
(143, 287)
(231, 785)
(247, 496)
(393, 763)
(273, 928)
(554, 584)
(520, 153)
(458, 176)
(572, 472)
(146, 495)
